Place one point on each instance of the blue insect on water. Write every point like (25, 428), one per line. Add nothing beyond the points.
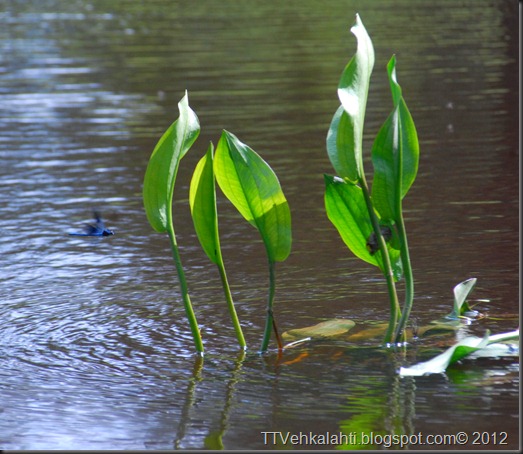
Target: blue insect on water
(98, 229)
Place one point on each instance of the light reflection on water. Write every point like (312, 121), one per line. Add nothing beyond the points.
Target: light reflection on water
(95, 352)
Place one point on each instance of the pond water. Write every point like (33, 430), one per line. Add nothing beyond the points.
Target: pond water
(95, 352)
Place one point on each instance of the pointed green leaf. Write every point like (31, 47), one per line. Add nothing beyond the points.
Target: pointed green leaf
(202, 200)
(385, 154)
(395, 87)
(353, 90)
(395, 155)
(158, 185)
(346, 209)
(253, 188)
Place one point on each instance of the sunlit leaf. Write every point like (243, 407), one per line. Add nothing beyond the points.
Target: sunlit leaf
(395, 155)
(160, 176)
(408, 133)
(253, 188)
(202, 200)
(345, 150)
(340, 147)
(346, 209)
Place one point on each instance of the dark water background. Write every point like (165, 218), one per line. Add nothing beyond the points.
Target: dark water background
(94, 348)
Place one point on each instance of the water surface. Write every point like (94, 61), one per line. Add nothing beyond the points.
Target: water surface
(95, 351)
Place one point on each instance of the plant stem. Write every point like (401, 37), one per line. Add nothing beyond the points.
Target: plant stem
(404, 247)
(389, 276)
(185, 293)
(270, 323)
(230, 304)
(409, 280)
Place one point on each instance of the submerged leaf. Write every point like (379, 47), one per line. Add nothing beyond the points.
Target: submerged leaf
(253, 188)
(329, 328)
(160, 176)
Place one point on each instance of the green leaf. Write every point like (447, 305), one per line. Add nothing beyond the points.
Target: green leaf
(488, 345)
(346, 209)
(345, 152)
(408, 133)
(393, 81)
(158, 185)
(202, 200)
(395, 155)
(328, 328)
(253, 188)
(340, 147)
(461, 292)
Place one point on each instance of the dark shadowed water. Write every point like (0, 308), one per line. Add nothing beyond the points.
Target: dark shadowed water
(95, 352)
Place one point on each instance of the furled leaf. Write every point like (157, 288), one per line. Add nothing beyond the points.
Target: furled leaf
(160, 176)
(461, 292)
(346, 209)
(202, 200)
(395, 155)
(253, 188)
(345, 151)
(340, 147)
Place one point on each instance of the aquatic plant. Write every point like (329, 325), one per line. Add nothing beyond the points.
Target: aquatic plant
(158, 190)
(371, 222)
(253, 188)
(202, 199)
(245, 179)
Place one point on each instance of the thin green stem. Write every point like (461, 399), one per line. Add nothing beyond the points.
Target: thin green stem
(270, 323)
(389, 276)
(409, 280)
(404, 247)
(185, 293)
(230, 304)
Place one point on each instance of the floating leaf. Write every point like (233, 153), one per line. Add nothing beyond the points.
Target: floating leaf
(158, 185)
(465, 347)
(253, 188)
(329, 328)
